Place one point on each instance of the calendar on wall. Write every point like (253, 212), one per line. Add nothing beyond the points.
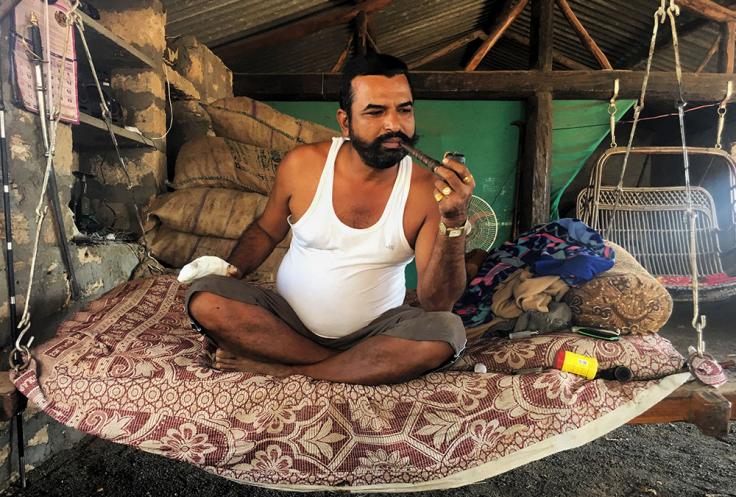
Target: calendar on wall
(62, 72)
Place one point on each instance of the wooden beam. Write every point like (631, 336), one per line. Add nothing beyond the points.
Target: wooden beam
(343, 55)
(447, 49)
(707, 408)
(709, 9)
(299, 29)
(534, 187)
(582, 33)
(541, 35)
(711, 51)
(361, 33)
(727, 47)
(489, 85)
(561, 59)
(511, 11)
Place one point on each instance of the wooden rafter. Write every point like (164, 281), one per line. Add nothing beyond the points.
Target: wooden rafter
(300, 28)
(480, 34)
(709, 9)
(664, 40)
(561, 59)
(583, 34)
(343, 55)
(511, 11)
(727, 47)
(447, 49)
(711, 52)
(361, 33)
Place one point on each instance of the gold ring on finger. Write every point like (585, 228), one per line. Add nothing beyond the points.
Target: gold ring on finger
(446, 191)
(468, 179)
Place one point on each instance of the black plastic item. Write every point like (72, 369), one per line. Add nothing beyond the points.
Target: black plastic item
(618, 373)
(89, 99)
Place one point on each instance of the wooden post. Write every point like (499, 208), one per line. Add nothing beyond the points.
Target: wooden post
(534, 188)
(728, 45)
(541, 35)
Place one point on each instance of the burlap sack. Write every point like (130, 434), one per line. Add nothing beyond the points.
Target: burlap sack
(216, 212)
(222, 163)
(250, 121)
(177, 249)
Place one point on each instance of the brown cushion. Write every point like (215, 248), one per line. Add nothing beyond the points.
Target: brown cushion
(626, 298)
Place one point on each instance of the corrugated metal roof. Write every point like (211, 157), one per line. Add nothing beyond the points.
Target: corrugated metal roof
(412, 29)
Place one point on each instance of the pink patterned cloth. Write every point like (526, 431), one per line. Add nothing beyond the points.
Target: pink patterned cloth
(130, 369)
(709, 280)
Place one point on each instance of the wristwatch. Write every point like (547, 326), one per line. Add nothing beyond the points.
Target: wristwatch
(455, 232)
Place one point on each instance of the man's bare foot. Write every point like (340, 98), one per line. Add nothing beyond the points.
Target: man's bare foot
(227, 361)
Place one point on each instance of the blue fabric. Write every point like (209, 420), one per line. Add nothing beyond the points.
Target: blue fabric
(567, 248)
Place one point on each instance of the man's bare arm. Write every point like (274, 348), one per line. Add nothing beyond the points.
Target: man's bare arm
(442, 279)
(259, 239)
(440, 258)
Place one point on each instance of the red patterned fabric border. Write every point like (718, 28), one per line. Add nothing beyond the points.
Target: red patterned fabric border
(131, 370)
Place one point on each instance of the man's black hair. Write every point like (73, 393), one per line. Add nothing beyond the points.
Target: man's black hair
(372, 64)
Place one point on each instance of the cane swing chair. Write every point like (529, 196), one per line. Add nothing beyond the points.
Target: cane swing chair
(651, 223)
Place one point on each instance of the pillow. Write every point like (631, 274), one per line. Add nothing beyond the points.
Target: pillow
(625, 298)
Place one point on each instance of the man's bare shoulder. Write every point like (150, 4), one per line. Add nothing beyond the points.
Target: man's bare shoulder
(305, 158)
(422, 179)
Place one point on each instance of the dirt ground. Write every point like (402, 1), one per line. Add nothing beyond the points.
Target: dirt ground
(668, 460)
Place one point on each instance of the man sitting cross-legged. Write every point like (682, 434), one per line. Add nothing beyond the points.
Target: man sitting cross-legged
(360, 210)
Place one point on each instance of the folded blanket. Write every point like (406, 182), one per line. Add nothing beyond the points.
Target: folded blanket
(567, 248)
(523, 292)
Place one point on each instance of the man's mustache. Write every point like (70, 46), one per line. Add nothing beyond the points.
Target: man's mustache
(394, 134)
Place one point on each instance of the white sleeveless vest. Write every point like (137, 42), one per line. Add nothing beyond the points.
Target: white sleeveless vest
(338, 278)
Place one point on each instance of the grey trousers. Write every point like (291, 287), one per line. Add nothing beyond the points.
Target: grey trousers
(406, 322)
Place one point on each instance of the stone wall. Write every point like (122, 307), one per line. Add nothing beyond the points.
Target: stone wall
(100, 267)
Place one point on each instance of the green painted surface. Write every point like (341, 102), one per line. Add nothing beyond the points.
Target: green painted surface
(484, 132)
(481, 130)
(579, 126)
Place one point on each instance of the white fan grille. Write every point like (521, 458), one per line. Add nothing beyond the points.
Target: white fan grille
(484, 225)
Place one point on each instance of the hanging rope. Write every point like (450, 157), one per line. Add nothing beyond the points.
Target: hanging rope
(21, 350)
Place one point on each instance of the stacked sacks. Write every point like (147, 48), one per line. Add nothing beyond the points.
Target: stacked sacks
(222, 183)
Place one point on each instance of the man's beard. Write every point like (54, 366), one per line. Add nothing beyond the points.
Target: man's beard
(375, 155)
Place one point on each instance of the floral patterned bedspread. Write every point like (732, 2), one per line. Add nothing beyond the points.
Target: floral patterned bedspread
(130, 369)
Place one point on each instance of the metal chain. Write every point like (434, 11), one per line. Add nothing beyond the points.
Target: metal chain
(660, 16)
(722, 114)
(698, 321)
(612, 112)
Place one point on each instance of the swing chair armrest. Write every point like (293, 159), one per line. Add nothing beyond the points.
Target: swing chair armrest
(710, 409)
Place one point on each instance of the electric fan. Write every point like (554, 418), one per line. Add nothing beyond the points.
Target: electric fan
(484, 225)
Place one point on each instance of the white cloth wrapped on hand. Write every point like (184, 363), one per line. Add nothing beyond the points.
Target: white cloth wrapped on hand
(205, 266)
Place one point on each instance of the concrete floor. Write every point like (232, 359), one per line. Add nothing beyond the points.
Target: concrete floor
(719, 334)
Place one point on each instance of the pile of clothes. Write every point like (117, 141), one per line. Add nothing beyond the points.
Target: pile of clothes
(521, 284)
